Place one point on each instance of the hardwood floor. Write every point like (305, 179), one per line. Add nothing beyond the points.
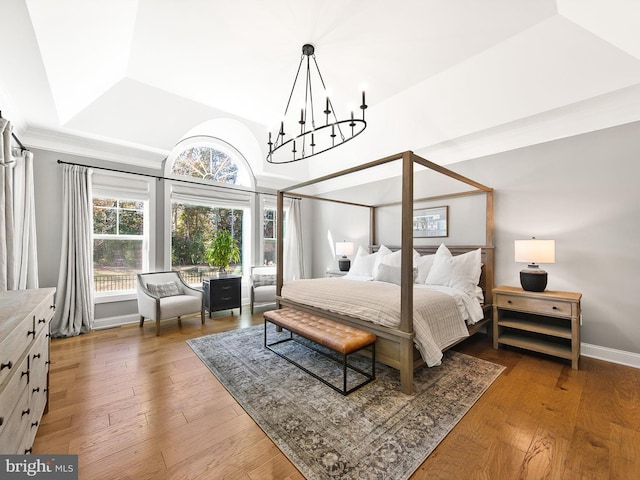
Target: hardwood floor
(133, 405)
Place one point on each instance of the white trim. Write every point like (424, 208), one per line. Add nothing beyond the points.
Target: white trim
(111, 322)
(94, 147)
(612, 355)
(115, 297)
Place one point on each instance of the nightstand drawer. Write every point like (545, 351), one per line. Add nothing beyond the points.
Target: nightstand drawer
(540, 306)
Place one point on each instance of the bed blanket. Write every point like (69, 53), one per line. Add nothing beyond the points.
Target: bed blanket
(437, 322)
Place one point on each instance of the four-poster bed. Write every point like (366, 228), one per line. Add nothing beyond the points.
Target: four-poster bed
(395, 345)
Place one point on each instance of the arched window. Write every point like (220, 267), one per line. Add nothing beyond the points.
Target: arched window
(209, 159)
(197, 211)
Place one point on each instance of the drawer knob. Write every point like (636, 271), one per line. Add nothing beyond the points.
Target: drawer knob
(1, 421)
(554, 308)
(37, 389)
(508, 301)
(34, 424)
(31, 332)
(8, 365)
(36, 355)
(26, 412)
(42, 320)
(27, 450)
(26, 372)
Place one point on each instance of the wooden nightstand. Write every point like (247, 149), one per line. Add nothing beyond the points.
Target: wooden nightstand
(545, 322)
(335, 273)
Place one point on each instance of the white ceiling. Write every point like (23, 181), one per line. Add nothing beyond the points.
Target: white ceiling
(125, 80)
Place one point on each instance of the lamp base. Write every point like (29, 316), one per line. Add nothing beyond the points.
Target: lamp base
(344, 264)
(533, 278)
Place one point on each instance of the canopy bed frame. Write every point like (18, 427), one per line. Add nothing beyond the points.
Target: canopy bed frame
(394, 346)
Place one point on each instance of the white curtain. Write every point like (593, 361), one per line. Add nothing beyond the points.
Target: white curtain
(18, 252)
(293, 263)
(74, 295)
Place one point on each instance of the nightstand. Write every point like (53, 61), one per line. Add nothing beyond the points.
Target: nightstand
(222, 292)
(545, 322)
(335, 273)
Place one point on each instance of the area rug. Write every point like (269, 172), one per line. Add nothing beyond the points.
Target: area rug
(376, 432)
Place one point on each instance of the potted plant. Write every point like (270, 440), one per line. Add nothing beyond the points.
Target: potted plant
(223, 250)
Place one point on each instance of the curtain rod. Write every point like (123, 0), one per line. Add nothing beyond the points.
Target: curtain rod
(158, 177)
(22, 147)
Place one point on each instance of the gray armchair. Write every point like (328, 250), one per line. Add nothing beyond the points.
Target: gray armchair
(163, 295)
(263, 286)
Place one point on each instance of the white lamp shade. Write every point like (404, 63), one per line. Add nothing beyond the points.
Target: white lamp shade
(535, 251)
(344, 248)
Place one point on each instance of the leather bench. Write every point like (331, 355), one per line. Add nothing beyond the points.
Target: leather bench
(335, 336)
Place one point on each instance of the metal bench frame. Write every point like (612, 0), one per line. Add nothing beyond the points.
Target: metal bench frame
(345, 365)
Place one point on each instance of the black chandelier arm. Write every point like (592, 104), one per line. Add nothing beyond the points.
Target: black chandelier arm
(293, 87)
(294, 146)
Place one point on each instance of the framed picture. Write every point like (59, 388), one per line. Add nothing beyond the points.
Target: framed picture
(431, 222)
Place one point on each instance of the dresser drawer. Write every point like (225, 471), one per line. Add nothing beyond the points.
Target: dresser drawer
(15, 425)
(540, 306)
(42, 316)
(14, 346)
(12, 394)
(39, 364)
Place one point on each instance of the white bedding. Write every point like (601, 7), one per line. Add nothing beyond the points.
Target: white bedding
(439, 312)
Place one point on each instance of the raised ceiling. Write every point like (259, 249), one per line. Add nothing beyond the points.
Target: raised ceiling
(125, 80)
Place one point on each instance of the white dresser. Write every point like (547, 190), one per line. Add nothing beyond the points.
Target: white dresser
(25, 316)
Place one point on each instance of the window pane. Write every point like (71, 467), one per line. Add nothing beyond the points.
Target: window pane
(207, 163)
(116, 263)
(131, 222)
(193, 228)
(105, 220)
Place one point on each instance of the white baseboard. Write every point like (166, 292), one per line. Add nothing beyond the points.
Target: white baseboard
(610, 355)
(112, 322)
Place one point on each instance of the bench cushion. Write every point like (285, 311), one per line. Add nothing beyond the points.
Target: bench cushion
(336, 336)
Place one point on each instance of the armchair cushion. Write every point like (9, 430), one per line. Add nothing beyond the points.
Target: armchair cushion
(263, 280)
(168, 289)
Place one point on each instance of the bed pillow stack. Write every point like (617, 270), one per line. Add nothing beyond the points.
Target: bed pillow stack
(461, 272)
(367, 264)
(390, 268)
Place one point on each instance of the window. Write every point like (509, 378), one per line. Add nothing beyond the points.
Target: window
(269, 237)
(207, 204)
(119, 243)
(122, 220)
(207, 163)
(193, 228)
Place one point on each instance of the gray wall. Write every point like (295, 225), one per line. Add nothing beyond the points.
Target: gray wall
(581, 191)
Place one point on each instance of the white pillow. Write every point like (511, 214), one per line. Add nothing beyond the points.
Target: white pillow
(395, 258)
(389, 274)
(362, 265)
(424, 264)
(461, 272)
(380, 255)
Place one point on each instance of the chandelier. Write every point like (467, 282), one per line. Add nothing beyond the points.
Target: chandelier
(311, 134)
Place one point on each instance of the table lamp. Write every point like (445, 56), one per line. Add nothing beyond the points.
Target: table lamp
(344, 249)
(533, 278)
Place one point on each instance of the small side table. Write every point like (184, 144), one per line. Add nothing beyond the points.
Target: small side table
(222, 292)
(546, 322)
(335, 273)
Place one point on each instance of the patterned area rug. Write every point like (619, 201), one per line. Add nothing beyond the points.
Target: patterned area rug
(375, 432)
